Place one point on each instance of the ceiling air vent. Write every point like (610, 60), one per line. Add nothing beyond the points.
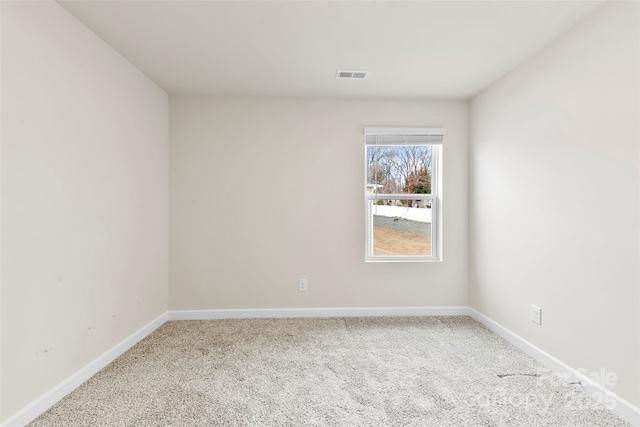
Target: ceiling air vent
(357, 75)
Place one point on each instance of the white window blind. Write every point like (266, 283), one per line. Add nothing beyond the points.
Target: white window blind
(403, 136)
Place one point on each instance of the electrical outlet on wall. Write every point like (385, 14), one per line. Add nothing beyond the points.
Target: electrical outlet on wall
(536, 314)
(302, 285)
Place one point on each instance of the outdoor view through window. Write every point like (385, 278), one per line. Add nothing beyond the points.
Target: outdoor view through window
(401, 197)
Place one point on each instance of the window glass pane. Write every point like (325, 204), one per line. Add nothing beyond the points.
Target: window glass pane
(401, 227)
(399, 169)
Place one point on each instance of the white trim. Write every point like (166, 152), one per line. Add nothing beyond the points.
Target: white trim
(401, 258)
(278, 313)
(404, 131)
(623, 408)
(436, 209)
(53, 396)
(400, 196)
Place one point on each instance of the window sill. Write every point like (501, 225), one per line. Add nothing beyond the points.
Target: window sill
(401, 259)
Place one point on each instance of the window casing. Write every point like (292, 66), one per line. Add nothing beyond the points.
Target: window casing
(403, 193)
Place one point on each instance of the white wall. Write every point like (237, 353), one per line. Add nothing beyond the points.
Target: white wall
(305, 156)
(560, 135)
(84, 199)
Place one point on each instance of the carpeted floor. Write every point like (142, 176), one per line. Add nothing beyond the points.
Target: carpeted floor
(402, 371)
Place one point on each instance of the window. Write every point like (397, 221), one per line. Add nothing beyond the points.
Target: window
(403, 187)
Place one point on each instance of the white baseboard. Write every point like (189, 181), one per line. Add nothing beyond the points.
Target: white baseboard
(50, 398)
(279, 313)
(624, 409)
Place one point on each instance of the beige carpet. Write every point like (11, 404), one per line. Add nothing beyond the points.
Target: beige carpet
(410, 371)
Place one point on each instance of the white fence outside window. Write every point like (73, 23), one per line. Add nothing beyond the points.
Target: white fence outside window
(414, 214)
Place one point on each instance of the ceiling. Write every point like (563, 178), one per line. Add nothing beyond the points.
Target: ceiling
(436, 49)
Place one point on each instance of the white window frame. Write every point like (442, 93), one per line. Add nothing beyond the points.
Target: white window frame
(386, 136)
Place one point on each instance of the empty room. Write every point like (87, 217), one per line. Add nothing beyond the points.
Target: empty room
(320, 213)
